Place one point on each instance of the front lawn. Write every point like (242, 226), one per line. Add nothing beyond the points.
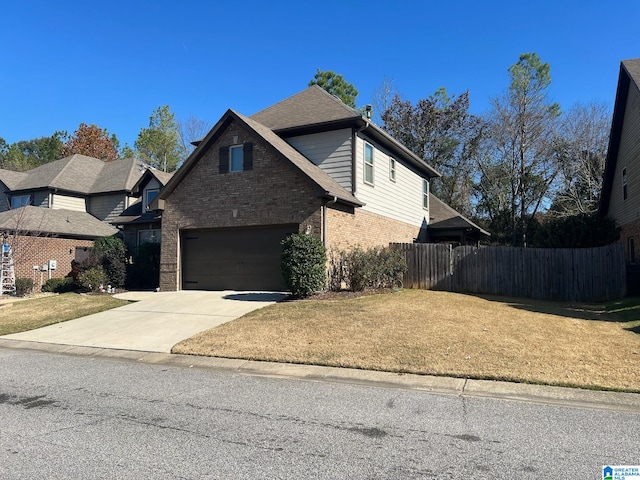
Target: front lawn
(23, 315)
(441, 333)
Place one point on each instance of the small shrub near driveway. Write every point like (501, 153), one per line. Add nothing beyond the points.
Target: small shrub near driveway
(304, 260)
(24, 286)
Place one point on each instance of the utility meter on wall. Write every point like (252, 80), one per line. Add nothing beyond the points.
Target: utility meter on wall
(52, 264)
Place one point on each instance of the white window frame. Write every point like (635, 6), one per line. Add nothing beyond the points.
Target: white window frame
(233, 148)
(392, 169)
(425, 194)
(147, 192)
(20, 201)
(368, 166)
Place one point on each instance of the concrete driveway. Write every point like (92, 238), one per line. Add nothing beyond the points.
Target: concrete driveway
(154, 322)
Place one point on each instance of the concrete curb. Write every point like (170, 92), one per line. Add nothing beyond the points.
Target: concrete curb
(561, 396)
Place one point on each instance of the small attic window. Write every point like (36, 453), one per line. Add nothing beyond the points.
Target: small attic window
(624, 184)
(151, 194)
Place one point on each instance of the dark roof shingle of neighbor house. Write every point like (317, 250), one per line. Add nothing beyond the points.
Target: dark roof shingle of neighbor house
(78, 174)
(36, 220)
(442, 216)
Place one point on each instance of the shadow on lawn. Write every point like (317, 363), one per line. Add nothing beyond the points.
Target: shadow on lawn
(626, 310)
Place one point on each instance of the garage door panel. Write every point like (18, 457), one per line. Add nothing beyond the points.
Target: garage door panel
(239, 259)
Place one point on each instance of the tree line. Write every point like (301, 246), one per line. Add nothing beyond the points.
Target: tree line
(526, 170)
(164, 144)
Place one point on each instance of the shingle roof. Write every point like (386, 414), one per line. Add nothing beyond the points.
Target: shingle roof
(11, 178)
(79, 174)
(629, 74)
(309, 107)
(442, 217)
(56, 222)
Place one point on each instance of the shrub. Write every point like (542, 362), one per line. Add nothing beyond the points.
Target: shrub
(59, 285)
(303, 264)
(110, 253)
(24, 286)
(93, 278)
(358, 269)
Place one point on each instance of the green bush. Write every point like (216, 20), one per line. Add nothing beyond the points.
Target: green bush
(59, 285)
(110, 253)
(303, 264)
(358, 269)
(24, 286)
(93, 278)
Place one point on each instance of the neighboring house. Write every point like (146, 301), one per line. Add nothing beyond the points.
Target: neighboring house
(306, 164)
(56, 211)
(621, 188)
(140, 224)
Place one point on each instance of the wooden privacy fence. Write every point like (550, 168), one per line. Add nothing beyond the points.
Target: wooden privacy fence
(577, 275)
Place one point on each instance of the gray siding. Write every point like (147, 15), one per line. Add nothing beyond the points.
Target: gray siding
(331, 151)
(626, 211)
(107, 207)
(41, 199)
(4, 198)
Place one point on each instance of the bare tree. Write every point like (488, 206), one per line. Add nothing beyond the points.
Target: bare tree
(191, 130)
(584, 137)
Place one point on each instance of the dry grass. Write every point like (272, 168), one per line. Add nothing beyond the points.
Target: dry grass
(25, 315)
(441, 333)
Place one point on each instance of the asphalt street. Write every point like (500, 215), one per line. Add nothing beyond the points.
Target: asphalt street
(67, 416)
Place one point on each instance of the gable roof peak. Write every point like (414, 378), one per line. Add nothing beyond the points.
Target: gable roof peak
(312, 106)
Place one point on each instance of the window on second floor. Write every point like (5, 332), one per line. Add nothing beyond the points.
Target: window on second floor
(392, 169)
(624, 184)
(18, 201)
(151, 194)
(425, 194)
(368, 164)
(236, 158)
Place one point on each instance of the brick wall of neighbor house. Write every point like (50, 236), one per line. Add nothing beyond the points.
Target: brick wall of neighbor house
(30, 251)
(272, 193)
(628, 231)
(346, 230)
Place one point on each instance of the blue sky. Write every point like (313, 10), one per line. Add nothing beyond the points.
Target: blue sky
(112, 63)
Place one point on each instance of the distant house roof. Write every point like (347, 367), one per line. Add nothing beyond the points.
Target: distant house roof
(326, 186)
(46, 221)
(443, 217)
(629, 75)
(78, 174)
(135, 215)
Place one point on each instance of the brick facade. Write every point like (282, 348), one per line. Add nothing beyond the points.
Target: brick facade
(30, 251)
(631, 231)
(271, 193)
(347, 229)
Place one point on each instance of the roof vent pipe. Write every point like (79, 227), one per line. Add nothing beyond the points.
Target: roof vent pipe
(368, 111)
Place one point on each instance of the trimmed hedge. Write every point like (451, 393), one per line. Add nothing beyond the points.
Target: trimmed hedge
(303, 264)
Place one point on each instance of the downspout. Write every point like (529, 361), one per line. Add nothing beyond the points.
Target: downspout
(324, 219)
